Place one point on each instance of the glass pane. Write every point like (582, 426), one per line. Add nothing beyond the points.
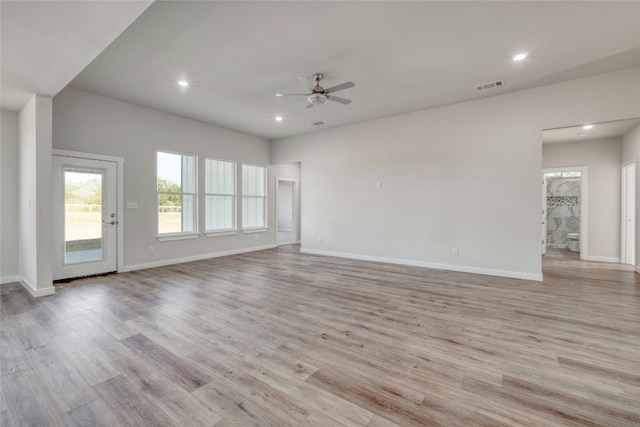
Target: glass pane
(219, 213)
(169, 213)
(259, 181)
(252, 212)
(571, 174)
(229, 178)
(188, 174)
(169, 172)
(83, 239)
(209, 174)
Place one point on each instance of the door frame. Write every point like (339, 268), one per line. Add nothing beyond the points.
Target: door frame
(584, 203)
(623, 208)
(296, 213)
(119, 196)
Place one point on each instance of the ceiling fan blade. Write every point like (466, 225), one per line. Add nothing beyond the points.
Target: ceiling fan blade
(338, 99)
(343, 86)
(292, 94)
(305, 81)
(309, 105)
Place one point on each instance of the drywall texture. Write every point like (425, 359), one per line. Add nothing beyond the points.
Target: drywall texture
(631, 153)
(603, 157)
(463, 176)
(9, 200)
(91, 123)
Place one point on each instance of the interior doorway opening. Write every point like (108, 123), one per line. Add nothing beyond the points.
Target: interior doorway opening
(287, 219)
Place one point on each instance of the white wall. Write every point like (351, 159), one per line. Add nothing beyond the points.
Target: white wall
(462, 176)
(603, 157)
(9, 146)
(631, 153)
(91, 123)
(34, 200)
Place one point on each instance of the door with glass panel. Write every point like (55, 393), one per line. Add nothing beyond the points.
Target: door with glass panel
(84, 217)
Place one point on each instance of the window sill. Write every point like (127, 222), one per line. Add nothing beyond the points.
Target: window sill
(255, 230)
(171, 237)
(221, 233)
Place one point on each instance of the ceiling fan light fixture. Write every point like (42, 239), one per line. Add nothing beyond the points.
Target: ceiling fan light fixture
(317, 98)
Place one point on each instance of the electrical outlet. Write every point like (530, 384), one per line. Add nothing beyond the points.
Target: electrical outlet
(257, 237)
(319, 239)
(151, 249)
(455, 252)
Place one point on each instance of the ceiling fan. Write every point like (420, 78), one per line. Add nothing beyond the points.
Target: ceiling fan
(320, 95)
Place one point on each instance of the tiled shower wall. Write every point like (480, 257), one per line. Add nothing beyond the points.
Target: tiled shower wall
(563, 209)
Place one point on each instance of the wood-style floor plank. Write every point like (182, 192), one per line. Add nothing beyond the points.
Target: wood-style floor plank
(279, 338)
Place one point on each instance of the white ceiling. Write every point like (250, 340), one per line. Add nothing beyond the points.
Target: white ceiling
(603, 130)
(402, 56)
(45, 44)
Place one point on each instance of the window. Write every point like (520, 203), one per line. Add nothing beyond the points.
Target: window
(176, 175)
(220, 195)
(253, 197)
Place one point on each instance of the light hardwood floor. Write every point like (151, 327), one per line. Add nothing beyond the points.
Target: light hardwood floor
(279, 338)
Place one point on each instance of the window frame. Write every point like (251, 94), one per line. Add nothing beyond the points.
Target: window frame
(234, 200)
(182, 234)
(264, 227)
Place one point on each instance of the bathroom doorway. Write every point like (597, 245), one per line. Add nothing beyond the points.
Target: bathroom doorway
(565, 209)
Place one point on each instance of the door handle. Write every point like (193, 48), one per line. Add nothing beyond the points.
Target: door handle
(110, 222)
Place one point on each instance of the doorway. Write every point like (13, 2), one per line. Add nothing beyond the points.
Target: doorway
(85, 216)
(628, 198)
(286, 218)
(564, 209)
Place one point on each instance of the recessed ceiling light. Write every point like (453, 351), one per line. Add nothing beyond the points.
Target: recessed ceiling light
(279, 94)
(278, 118)
(183, 83)
(519, 57)
(587, 127)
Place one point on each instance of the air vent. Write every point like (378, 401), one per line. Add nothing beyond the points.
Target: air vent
(490, 85)
(316, 124)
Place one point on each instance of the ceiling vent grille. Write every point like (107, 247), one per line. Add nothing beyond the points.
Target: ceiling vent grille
(490, 85)
(316, 124)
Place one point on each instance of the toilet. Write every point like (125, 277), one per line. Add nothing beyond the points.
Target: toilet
(573, 241)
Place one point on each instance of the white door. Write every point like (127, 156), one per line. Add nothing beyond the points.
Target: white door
(628, 214)
(285, 211)
(84, 217)
(544, 214)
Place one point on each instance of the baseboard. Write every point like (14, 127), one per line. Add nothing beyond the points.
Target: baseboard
(36, 293)
(437, 266)
(600, 258)
(9, 279)
(173, 261)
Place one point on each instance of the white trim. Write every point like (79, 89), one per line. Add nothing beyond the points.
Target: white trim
(584, 204)
(172, 237)
(36, 293)
(119, 189)
(624, 228)
(437, 266)
(9, 279)
(255, 230)
(195, 258)
(221, 233)
(601, 259)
